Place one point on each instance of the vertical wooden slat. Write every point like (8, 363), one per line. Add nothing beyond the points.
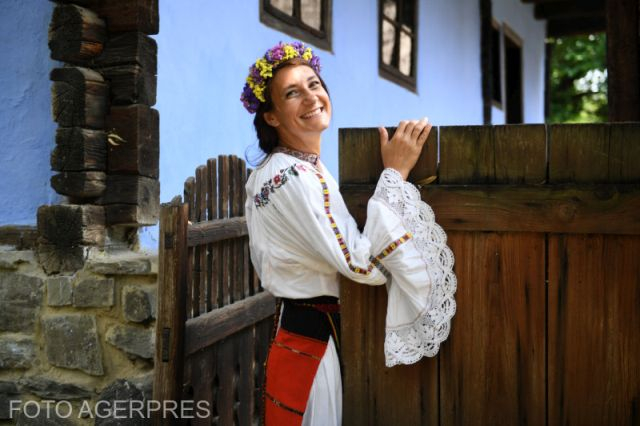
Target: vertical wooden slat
(594, 318)
(189, 199)
(578, 153)
(223, 212)
(624, 152)
(246, 259)
(233, 211)
(263, 332)
(520, 153)
(367, 400)
(467, 152)
(214, 249)
(226, 361)
(246, 394)
(492, 366)
(200, 252)
(203, 367)
(171, 316)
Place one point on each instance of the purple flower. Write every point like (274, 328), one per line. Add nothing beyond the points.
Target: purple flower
(275, 53)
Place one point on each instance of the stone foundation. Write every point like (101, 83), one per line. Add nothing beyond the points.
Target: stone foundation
(74, 341)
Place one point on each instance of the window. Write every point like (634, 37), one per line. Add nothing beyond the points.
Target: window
(496, 66)
(397, 41)
(513, 76)
(306, 20)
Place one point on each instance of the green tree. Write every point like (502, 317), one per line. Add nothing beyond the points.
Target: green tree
(578, 80)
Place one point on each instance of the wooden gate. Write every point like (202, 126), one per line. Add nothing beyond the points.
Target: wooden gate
(214, 323)
(544, 222)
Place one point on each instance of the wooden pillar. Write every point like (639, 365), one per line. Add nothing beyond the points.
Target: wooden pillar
(623, 59)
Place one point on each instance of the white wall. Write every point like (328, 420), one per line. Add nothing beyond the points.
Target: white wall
(519, 17)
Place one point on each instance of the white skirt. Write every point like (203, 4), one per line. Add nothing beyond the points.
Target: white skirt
(324, 407)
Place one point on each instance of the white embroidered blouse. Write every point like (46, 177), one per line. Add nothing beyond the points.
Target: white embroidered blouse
(302, 237)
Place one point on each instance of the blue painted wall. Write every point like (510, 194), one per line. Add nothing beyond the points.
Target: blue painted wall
(27, 131)
(204, 51)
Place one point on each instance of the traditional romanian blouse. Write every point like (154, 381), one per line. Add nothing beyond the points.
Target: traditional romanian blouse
(303, 238)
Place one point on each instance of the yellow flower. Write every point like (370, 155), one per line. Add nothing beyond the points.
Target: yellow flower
(307, 55)
(259, 92)
(289, 53)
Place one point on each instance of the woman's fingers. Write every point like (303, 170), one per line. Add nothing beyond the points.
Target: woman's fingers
(424, 135)
(384, 136)
(401, 127)
(417, 130)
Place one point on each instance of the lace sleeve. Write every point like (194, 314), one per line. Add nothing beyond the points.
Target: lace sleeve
(408, 342)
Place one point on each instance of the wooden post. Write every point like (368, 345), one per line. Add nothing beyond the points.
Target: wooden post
(171, 318)
(623, 60)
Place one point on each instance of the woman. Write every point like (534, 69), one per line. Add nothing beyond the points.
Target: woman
(302, 238)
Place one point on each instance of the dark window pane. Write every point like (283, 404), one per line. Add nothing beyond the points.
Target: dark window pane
(311, 11)
(388, 41)
(285, 6)
(405, 53)
(390, 9)
(408, 13)
(495, 56)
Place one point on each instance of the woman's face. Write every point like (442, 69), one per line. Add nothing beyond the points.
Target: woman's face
(301, 106)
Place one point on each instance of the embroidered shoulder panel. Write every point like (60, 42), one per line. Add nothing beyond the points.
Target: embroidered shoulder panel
(261, 199)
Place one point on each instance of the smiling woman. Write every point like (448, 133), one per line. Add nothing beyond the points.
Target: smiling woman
(302, 238)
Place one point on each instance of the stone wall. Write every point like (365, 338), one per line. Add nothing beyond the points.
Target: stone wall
(75, 339)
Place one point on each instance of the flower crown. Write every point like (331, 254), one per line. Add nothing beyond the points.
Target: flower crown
(262, 70)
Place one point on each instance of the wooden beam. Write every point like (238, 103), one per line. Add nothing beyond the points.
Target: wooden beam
(602, 209)
(79, 185)
(172, 266)
(22, 237)
(216, 230)
(137, 146)
(76, 34)
(79, 97)
(569, 27)
(209, 328)
(65, 231)
(570, 10)
(79, 149)
(623, 60)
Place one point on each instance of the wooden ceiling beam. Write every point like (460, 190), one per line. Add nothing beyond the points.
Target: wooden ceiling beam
(569, 27)
(570, 10)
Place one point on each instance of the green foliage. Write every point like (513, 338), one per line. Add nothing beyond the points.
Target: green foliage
(578, 80)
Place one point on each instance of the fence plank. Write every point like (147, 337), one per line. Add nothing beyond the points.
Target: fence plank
(189, 199)
(520, 153)
(594, 367)
(624, 153)
(246, 394)
(361, 161)
(212, 214)
(200, 252)
(493, 364)
(223, 212)
(467, 155)
(217, 230)
(168, 360)
(216, 325)
(578, 153)
(547, 208)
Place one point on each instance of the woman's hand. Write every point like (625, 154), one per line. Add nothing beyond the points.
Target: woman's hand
(402, 151)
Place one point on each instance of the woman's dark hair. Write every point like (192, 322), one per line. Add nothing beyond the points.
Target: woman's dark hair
(267, 135)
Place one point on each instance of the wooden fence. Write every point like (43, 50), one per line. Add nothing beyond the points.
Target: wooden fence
(544, 222)
(214, 323)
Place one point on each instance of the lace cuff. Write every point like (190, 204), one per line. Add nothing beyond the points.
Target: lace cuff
(408, 343)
